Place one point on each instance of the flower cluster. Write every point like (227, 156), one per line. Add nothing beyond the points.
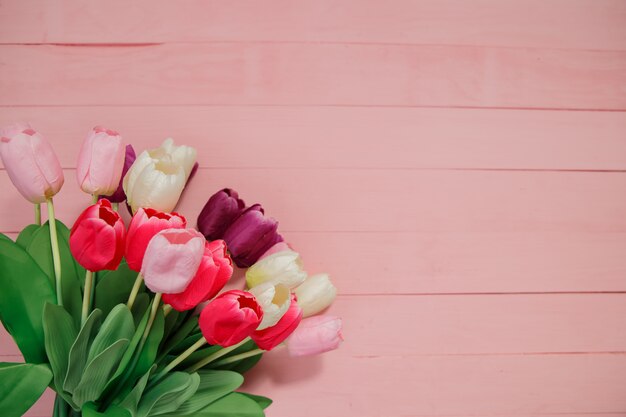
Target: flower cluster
(173, 319)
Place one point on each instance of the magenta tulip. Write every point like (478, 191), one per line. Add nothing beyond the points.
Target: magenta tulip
(100, 162)
(144, 225)
(315, 335)
(268, 339)
(219, 212)
(97, 237)
(119, 195)
(31, 163)
(230, 318)
(172, 259)
(214, 272)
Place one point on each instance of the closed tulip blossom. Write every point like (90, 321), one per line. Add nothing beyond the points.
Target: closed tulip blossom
(230, 318)
(271, 337)
(31, 163)
(97, 237)
(172, 259)
(214, 272)
(119, 196)
(315, 294)
(144, 225)
(275, 301)
(158, 176)
(251, 235)
(219, 212)
(100, 162)
(315, 335)
(284, 267)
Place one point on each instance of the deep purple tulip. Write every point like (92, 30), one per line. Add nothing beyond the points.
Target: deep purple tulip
(219, 212)
(251, 235)
(118, 196)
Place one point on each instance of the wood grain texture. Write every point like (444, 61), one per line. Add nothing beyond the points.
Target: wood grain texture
(312, 74)
(579, 24)
(323, 137)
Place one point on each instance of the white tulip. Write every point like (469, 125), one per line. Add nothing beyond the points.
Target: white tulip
(182, 155)
(315, 294)
(275, 301)
(284, 267)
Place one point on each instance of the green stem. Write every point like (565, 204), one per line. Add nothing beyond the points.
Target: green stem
(155, 307)
(167, 309)
(87, 296)
(38, 214)
(115, 206)
(94, 198)
(203, 362)
(239, 357)
(134, 291)
(178, 360)
(56, 258)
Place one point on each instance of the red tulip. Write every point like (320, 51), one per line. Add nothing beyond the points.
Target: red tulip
(145, 224)
(268, 339)
(230, 318)
(97, 237)
(214, 271)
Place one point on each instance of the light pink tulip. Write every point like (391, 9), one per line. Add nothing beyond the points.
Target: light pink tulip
(172, 259)
(100, 162)
(30, 162)
(315, 335)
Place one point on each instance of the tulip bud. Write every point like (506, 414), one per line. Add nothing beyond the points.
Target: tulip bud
(158, 176)
(315, 294)
(283, 267)
(251, 235)
(97, 237)
(100, 162)
(275, 301)
(31, 163)
(172, 259)
(271, 337)
(214, 271)
(119, 196)
(219, 212)
(144, 225)
(315, 335)
(230, 318)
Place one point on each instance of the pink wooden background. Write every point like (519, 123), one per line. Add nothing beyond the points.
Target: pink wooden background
(459, 167)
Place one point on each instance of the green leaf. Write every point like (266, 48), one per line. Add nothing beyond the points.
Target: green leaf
(151, 347)
(25, 289)
(41, 250)
(179, 336)
(91, 410)
(80, 350)
(142, 303)
(26, 235)
(171, 321)
(113, 287)
(213, 386)
(118, 325)
(168, 394)
(98, 373)
(243, 365)
(60, 334)
(263, 402)
(232, 405)
(21, 385)
(134, 396)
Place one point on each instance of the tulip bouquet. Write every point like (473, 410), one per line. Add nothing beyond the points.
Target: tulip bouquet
(131, 318)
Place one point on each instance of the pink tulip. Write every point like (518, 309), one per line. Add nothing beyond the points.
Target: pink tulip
(100, 162)
(268, 339)
(97, 237)
(30, 162)
(144, 225)
(214, 272)
(230, 318)
(315, 335)
(172, 259)
(119, 195)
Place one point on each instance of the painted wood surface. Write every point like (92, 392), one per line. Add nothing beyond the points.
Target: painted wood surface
(459, 168)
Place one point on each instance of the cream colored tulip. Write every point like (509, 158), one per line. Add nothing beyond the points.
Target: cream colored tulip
(284, 267)
(275, 301)
(182, 155)
(315, 294)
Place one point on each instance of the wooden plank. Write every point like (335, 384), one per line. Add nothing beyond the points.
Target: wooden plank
(473, 325)
(323, 137)
(357, 200)
(581, 24)
(312, 74)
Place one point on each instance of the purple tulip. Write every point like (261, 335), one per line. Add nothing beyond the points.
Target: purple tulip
(118, 196)
(251, 235)
(220, 212)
